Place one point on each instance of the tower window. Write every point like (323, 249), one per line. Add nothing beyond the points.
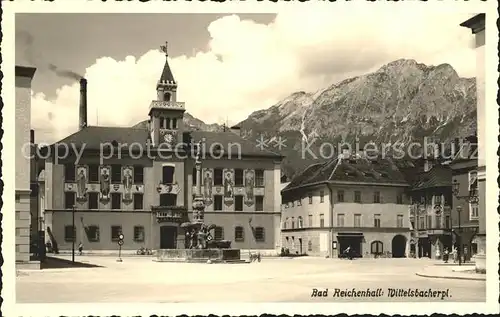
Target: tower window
(166, 96)
(162, 122)
(174, 123)
(168, 123)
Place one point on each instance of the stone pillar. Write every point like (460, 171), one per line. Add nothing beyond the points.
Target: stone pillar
(433, 250)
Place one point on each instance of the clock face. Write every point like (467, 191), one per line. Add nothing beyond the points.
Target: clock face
(168, 138)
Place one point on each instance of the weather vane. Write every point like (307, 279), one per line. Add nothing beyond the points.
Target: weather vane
(164, 48)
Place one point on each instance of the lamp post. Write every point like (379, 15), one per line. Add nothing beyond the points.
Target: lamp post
(471, 198)
(74, 234)
(416, 214)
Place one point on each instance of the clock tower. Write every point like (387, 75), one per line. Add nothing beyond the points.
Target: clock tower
(166, 113)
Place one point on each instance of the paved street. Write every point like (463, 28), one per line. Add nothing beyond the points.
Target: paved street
(273, 280)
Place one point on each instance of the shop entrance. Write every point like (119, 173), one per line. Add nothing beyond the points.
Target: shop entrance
(353, 240)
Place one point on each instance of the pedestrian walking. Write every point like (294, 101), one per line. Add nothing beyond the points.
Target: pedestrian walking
(347, 253)
(445, 255)
(80, 248)
(454, 255)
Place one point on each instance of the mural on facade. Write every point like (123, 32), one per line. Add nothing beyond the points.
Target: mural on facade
(81, 183)
(207, 185)
(249, 184)
(228, 186)
(105, 180)
(127, 181)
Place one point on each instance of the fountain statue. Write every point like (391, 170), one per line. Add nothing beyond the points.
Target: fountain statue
(197, 232)
(200, 243)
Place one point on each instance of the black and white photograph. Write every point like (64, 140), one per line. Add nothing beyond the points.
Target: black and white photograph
(295, 157)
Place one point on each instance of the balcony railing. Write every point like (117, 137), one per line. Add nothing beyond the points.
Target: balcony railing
(157, 104)
(170, 213)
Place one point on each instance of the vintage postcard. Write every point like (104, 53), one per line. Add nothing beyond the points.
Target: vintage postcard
(249, 158)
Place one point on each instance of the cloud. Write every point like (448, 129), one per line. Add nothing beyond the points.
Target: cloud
(249, 66)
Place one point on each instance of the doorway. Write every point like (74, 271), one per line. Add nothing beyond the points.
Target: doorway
(168, 237)
(398, 246)
(424, 247)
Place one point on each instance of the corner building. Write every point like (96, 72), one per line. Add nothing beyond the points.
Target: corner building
(350, 201)
(24, 76)
(144, 183)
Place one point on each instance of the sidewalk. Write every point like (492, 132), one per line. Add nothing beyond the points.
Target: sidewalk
(452, 271)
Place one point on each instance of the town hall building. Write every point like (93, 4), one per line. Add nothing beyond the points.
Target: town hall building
(140, 182)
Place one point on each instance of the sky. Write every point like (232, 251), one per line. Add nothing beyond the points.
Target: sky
(226, 65)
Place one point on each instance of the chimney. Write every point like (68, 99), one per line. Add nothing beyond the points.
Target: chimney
(83, 103)
(236, 130)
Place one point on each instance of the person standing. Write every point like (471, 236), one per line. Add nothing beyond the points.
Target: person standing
(80, 248)
(445, 255)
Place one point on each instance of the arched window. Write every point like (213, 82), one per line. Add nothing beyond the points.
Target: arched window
(239, 234)
(377, 247)
(166, 96)
(174, 123)
(293, 223)
(300, 222)
(167, 125)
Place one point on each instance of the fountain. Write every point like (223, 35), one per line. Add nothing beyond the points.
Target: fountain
(202, 247)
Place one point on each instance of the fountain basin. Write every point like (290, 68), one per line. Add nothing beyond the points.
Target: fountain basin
(199, 255)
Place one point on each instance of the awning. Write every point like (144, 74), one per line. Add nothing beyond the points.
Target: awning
(350, 235)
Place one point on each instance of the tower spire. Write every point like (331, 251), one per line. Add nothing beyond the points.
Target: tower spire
(166, 77)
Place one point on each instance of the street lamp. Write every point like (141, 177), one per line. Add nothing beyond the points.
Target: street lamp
(73, 233)
(415, 209)
(472, 198)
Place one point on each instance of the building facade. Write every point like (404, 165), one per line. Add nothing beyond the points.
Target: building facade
(477, 26)
(24, 77)
(431, 205)
(465, 215)
(140, 182)
(347, 202)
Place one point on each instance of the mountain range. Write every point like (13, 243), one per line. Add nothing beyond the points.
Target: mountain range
(403, 101)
